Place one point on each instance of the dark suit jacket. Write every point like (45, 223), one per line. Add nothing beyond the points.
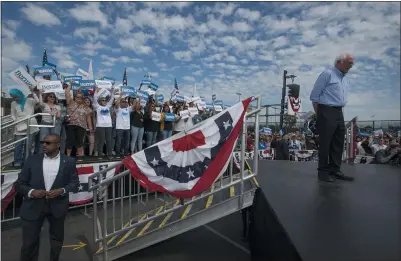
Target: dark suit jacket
(31, 177)
(282, 151)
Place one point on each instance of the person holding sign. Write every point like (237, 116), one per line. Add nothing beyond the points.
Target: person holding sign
(137, 126)
(123, 126)
(78, 121)
(21, 108)
(166, 121)
(49, 106)
(103, 122)
(152, 123)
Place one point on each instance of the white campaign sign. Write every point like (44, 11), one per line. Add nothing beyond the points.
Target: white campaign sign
(201, 106)
(184, 114)
(196, 100)
(61, 95)
(102, 92)
(193, 111)
(156, 116)
(218, 108)
(82, 73)
(103, 84)
(51, 86)
(21, 76)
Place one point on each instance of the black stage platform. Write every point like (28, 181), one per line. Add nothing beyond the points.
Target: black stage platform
(304, 219)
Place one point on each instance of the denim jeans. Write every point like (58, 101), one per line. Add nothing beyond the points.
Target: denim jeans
(122, 138)
(19, 151)
(166, 134)
(46, 131)
(136, 138)
(151, 138)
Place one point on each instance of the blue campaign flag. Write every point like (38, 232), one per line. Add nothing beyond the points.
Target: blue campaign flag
(160, 98)
(43, 71)
(179, 98)
(87, 86)
(128, 91)
(144, 95)
(169, 116)
(209, 106)
(154, 86)
(51, 65)
(145, 82)
(110, 79)
(202, 98)
(218, 102)
(72, 78)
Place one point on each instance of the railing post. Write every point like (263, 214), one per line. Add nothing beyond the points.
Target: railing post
(256, 147)
(28, 139)
(243, 144)
(95, 218)
(104, 239)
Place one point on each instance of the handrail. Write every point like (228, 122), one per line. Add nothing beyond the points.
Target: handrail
(29, 117)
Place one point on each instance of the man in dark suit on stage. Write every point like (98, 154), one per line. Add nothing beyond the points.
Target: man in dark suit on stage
(45, 183)
(329, 96)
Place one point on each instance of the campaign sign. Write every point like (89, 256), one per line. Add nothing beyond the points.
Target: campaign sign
(154, 86)
(87, 86)
(160, 98)
(71, 78)
(21, 76)
(193, 111)
(169, 116)
(103, 92)
(51, 65)
(179, 98)
(144, 95)
(187, 98)
(201, 105)
(156, 116)
(110, 79)
(202, 98)
(145, 82)
(127, 91)
(103, 84)
(82, 73)
(184, 114)
(150, 92)
(209, 106)
(51, 86)
(218, 108)
(43, 71)
(218, 102)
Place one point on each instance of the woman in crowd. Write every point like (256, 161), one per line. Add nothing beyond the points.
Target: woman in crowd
(123, 126)
(21, 108)
(103, 122)
(152, 127)
(166, 127)
(137, 127)
(49, 106)
(79, 120)
(90, 134)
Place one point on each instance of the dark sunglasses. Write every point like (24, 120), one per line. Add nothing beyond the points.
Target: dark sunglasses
(51, 96)
(48, 142)
(78, 97)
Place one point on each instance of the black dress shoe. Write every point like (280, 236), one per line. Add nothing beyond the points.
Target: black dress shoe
(342, 176)
(326, 177)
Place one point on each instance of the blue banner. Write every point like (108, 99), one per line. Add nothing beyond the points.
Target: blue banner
(110, 79)
(87, 86)
(145, 82)
(218, 102)
(73, 78)
(179, 98)
(169, 116)
(43, 71)
(160, 98)
(128, 91)
(144, 95)
(209, 106)
(154, 86)
(51, 65)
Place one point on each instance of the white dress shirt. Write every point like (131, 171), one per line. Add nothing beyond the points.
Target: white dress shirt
(50, 171)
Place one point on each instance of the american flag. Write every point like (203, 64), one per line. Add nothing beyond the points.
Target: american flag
(188, 163)
(8, 191)
(125, 82)
(84, 171)
(176, 85)
(44, 61)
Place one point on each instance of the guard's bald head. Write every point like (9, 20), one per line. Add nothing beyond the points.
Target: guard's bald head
(53, 137)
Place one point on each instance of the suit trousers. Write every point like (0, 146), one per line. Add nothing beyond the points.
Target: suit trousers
(331, 129)
(31, 236)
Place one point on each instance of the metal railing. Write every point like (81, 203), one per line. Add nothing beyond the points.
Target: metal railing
(9, 146)
(350, 140)
(141, 199)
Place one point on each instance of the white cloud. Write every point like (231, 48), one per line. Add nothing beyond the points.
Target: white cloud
(89, 12)
(248, 14)
(39, 16)
(241, 27)
(183, 55)
(90, 33)
(189, 78)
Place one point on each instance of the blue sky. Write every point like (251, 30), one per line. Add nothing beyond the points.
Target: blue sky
(222, 47)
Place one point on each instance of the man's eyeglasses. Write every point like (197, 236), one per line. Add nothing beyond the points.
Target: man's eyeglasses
(78, 97)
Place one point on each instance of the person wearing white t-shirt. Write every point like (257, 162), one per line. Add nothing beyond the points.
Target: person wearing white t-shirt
(123, 126)
(103, 131)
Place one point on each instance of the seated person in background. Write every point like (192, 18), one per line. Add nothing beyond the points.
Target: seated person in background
(392, 154)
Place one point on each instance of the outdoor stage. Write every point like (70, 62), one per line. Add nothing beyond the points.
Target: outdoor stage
(296, 217)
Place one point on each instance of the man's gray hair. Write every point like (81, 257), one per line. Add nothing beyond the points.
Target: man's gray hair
(340, 57)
